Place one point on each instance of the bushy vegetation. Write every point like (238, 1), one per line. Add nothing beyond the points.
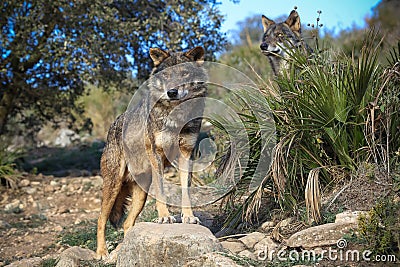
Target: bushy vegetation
(332, 112)
(102, 106)
(50, 49)
(8, 174)
(85, 236)
(380, 227)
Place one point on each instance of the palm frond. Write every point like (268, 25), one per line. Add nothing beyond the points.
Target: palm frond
(312, 196)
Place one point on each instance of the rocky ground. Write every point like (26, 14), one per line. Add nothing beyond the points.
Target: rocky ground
(34, 217)
(43, 211)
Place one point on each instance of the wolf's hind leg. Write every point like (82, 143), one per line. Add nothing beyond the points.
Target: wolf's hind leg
(113, 178)
(139, 196)
(109, 196)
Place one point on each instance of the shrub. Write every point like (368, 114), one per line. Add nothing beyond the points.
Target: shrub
(381, 227)
(7, 165)
(332, 112)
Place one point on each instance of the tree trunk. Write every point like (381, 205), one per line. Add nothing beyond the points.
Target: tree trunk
(6, 106)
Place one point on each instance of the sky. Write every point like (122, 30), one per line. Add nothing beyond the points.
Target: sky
(336, 14)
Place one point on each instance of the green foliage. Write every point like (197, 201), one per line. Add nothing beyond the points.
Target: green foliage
(244, 54)
(149, 212)
(384, 18)
(381, 227)
(50, 48)
(54, 160)
(85, 236)
(7, 163)
(102, 107)
(49, 263)
(94, 263)
(34, 221)
(248, 60)
(326, 121)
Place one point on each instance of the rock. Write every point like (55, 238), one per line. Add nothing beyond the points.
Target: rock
(321, 235)
(54, 183)
(247, 254)
(24, 183)
(267, 225)
(212, 259)
(64, 188)
(71, 256)
(32, 262)
(266, 245)
(13, 206)
(251, 239)
(4, 225)
(58, 228)
(66, 137)
(349, 216)
(97, 181)
(285, 222)
(112, 259)
(49, 188)
(233, 246)
(62, 210)
(30, 190)
(37, 205)
(151, 244)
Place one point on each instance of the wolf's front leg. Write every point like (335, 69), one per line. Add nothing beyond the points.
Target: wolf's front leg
(161, 204)
(184, 175)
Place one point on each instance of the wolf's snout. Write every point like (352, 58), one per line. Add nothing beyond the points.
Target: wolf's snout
(264, 46)
(173, 93)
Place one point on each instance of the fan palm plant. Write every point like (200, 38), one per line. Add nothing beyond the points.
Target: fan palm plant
(333, 113)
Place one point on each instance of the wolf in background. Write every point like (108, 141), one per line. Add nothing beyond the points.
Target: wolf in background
(159, 128)
(278, 38)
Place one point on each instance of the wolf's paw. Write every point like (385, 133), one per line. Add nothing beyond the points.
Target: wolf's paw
(102, 255)
(167, 219)
(190, 219)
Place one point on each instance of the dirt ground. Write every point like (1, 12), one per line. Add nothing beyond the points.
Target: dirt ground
(35, 216)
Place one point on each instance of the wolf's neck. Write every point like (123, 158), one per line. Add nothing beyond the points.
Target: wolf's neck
(275, 64)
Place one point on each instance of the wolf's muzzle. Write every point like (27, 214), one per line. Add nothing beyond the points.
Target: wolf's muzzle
(264, 46)
(172, 94)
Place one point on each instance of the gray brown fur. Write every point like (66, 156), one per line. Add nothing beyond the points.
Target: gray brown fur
(278, 38)
(151, 135)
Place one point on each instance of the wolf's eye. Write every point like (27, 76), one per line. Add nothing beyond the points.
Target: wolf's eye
(185, 73)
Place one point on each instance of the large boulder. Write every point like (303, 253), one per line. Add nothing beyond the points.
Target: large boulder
(327, 234)
(71, 257)
(322, 235)
(151, 244)
(213, 259)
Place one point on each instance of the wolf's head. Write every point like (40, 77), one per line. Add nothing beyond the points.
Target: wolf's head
(178, 76)
(279, 37)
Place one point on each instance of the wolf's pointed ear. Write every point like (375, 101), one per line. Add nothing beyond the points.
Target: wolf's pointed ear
(196, 54)
(266, 22)
(158, 55)
(293, 21)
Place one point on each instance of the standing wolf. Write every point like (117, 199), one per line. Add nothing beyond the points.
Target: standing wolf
(278, 38)
(163, 126)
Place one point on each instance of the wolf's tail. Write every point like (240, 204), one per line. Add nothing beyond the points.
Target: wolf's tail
(120, 205)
